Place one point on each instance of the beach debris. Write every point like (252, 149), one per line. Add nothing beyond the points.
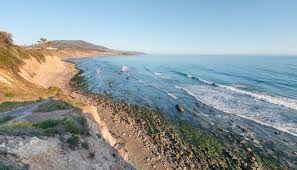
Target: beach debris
(180, 108)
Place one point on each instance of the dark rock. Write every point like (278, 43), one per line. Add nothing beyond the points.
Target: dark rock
(277, 133)
(272, 142)
(213, 84)
(180, 108)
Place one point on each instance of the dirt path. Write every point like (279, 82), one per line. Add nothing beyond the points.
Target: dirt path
(22, 112)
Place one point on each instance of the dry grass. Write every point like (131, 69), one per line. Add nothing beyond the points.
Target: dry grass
(11, 57)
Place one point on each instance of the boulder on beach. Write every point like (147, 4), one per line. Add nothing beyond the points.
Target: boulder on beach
(180, 108)
(213, 84)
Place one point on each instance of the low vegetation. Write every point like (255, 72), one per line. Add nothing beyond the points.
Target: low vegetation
(79, 82)
(5, 119)
(20, 129)
(186, 142)
(76, 125)
(9, 94)
(53, 106)
(6, 106)
(73, 141)
(12, 57)
(72, 128)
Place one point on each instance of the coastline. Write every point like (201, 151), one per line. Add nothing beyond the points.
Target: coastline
(134, 132)
(116, 130)
(165, 142)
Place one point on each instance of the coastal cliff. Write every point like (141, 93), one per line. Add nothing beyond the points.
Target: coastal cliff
(62, 125)
(33, 75)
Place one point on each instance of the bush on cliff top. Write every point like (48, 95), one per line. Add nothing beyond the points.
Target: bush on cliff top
(6, 38)
(53, 106)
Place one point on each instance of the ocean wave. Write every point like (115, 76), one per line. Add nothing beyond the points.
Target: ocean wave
(161, 75)
(172, 95)
(189, 76)
(281, 101)
(247, 107)
(194, 77)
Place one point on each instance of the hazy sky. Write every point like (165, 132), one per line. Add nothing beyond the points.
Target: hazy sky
(159, 26)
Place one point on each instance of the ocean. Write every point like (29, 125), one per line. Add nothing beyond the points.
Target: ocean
(257, 92)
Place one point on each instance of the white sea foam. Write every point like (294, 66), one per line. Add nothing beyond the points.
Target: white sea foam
(160, 75)
(246, 106)
(172, 95)
(189, 76)
(98, 71)
(289, 103)
(281, 101)
(125, 69)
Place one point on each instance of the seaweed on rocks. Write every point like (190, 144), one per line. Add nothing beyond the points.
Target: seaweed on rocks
(182, 143)
(79, 82)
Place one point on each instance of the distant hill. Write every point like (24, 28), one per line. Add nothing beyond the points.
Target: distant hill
(78, 44)
(83, 46)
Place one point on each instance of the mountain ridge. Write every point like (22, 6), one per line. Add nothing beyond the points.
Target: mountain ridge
(81, 45)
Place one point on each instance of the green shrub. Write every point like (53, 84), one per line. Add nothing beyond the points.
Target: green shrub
(73, 141)
(84, 129)
(85, 145)
(50, 127)
(20, 129)
(6, 119)
(48, 123)
(72, 125)
(51, 131)
(76, 125)
(8, 167)
(53, 106)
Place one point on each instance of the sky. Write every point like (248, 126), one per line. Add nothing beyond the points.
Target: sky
(159, 26)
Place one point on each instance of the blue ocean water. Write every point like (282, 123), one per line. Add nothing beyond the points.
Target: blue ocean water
(259, 89)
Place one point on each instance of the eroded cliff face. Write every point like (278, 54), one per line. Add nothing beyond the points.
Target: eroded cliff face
(33, 77)
(52, 72)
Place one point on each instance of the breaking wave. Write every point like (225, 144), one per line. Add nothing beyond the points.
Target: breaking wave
(245, 106)
(281, 101)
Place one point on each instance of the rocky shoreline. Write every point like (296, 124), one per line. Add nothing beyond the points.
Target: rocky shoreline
(170, 143)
